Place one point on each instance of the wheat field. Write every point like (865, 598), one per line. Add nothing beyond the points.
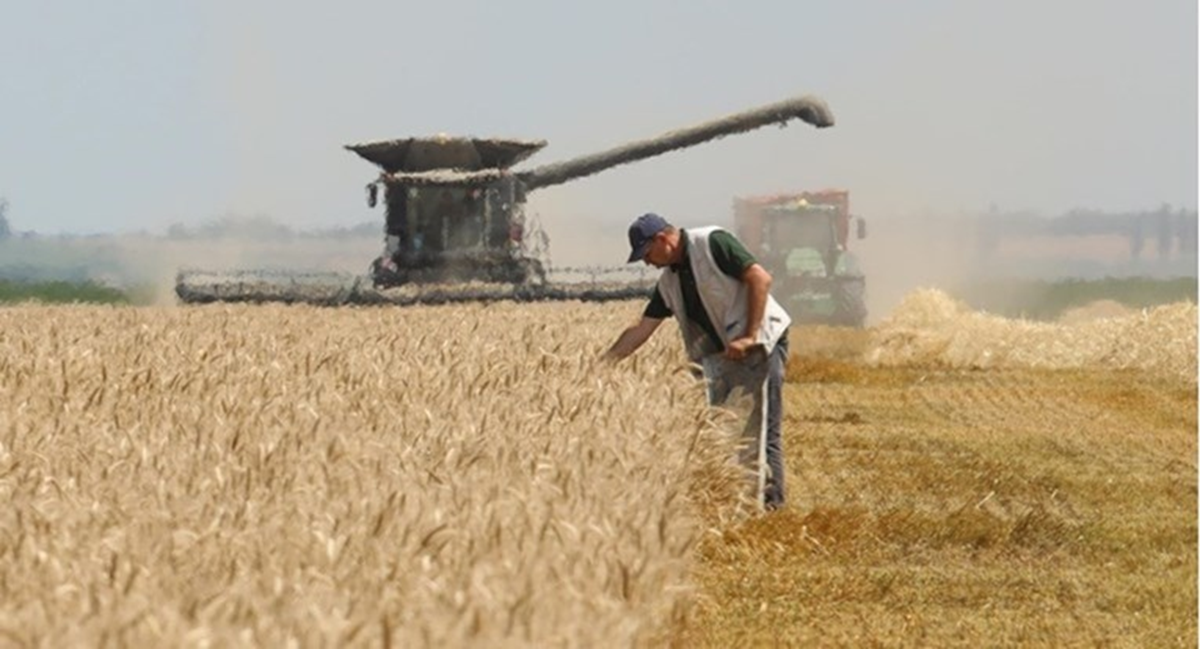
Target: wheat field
(277, 476)
(471, 475)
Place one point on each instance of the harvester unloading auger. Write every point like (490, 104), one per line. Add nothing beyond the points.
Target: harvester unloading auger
(455, 225)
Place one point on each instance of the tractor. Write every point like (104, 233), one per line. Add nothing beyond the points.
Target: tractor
(802, 240)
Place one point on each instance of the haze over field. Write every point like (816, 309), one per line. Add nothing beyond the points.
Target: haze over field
(139, 114)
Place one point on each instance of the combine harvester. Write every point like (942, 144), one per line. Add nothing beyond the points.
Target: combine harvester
(455, 229)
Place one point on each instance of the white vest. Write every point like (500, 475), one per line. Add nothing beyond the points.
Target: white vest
(724, 299)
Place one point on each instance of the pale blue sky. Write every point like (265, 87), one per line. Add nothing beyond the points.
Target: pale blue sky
(132, 114)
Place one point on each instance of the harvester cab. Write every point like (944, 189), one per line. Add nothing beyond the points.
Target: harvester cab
(454, 210)
(803, 241)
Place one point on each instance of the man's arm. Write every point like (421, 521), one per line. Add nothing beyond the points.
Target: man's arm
(632, 338)
(735, 260)
(758, 286)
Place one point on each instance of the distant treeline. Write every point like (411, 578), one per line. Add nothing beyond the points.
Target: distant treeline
(264, 228)
(57, 292)
(245, 228)
(5, 228)
(1168, 231)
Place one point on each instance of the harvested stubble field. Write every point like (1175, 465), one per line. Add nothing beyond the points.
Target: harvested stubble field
(471, 476)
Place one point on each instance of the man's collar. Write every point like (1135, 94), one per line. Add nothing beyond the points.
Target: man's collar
(683, 244)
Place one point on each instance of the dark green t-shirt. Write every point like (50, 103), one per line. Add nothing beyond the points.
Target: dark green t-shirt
(732, 258)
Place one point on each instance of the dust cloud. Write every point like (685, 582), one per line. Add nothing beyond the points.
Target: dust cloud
(579, 235)
(152, 264)
(903, 254)
(897, 255)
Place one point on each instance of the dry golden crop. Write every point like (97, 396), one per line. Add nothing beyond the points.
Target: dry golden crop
(276, 476)
(931, 328)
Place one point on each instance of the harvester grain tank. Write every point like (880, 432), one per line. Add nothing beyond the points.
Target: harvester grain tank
(455, 223)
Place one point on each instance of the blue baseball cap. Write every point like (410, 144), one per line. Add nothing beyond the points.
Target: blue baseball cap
(642, 232)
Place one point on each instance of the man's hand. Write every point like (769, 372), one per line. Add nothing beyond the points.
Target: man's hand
(631, 339)
(740, 348)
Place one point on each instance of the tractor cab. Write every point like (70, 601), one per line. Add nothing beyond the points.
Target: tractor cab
(802, 240)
